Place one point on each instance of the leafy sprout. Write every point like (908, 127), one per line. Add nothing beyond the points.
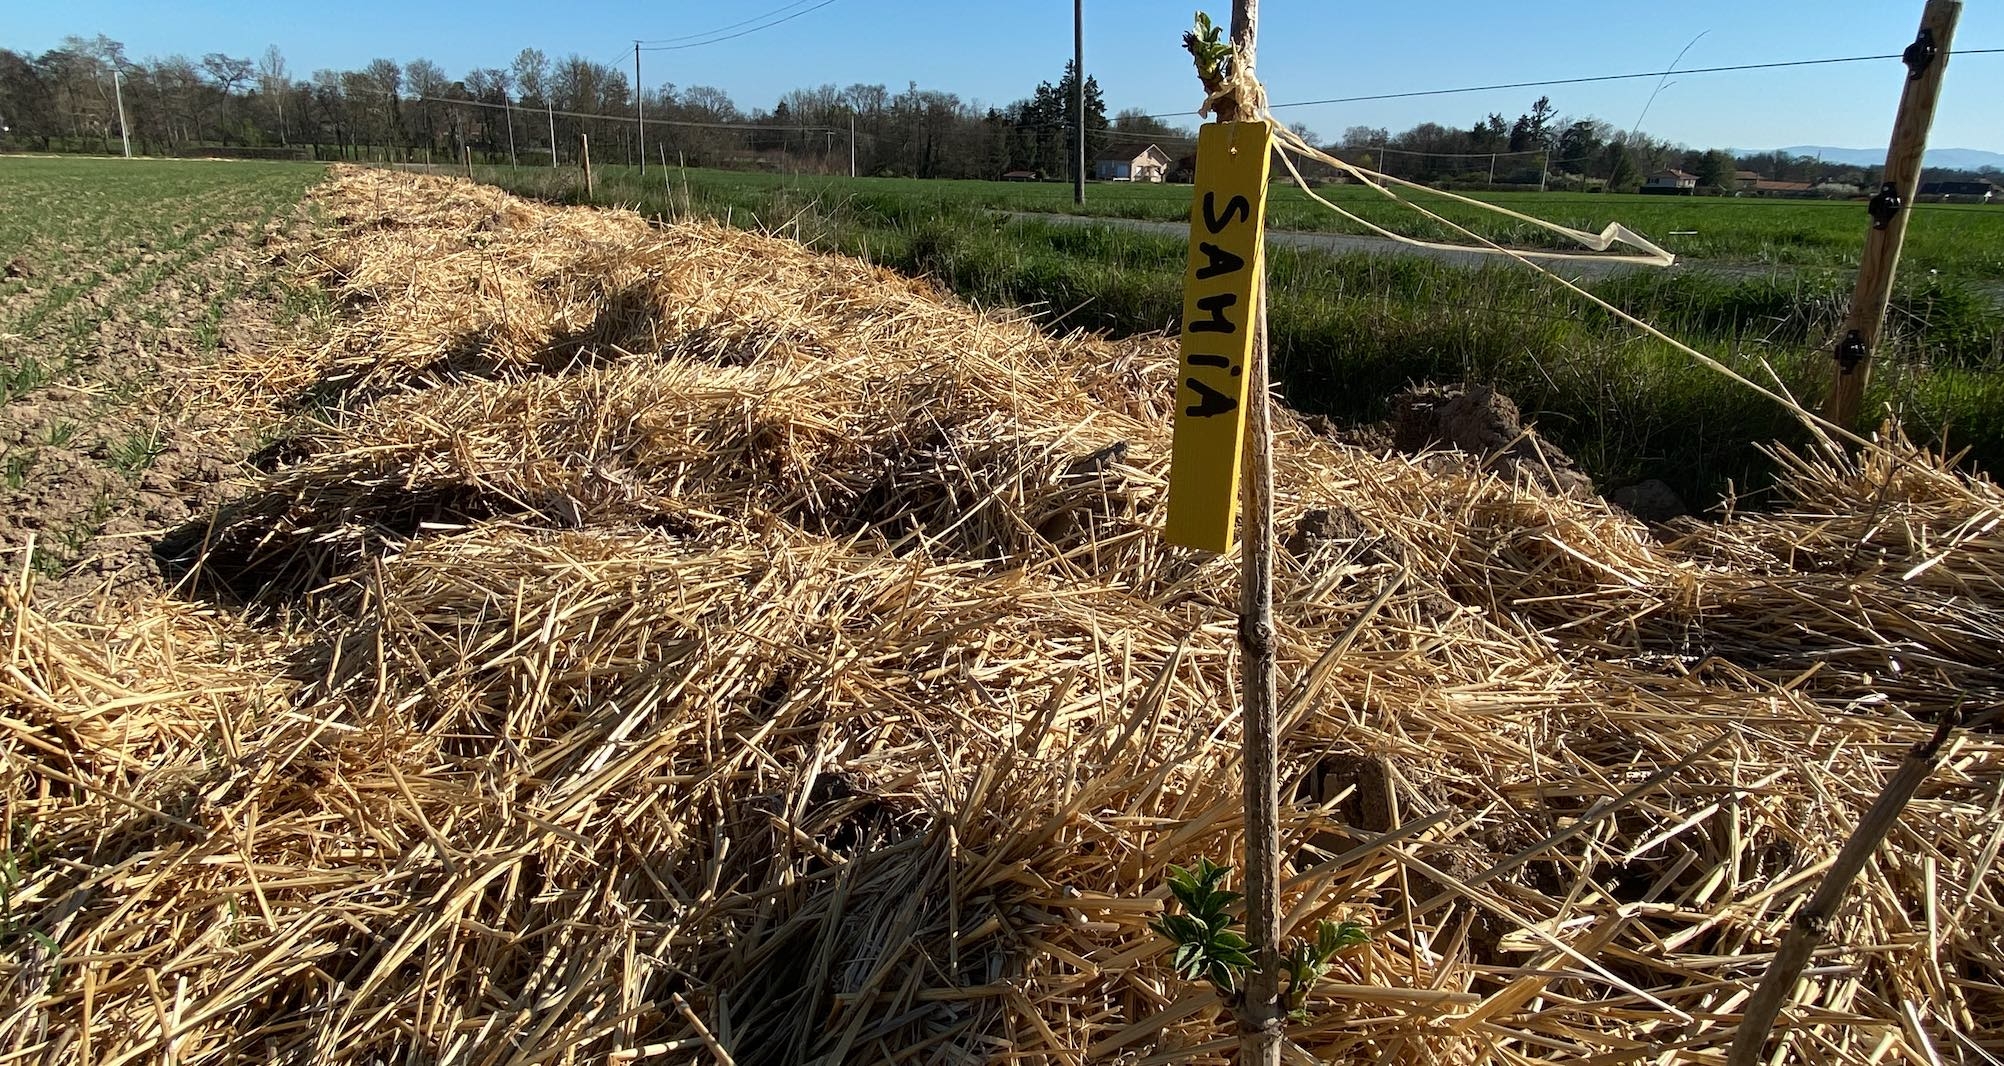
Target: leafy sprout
(1308, 961)
(1212, 52)
(1207, 948)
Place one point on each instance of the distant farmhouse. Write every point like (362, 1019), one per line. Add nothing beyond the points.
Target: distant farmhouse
(1671, 183)
(1150, 164)
(1796, 189)
(1962, 192)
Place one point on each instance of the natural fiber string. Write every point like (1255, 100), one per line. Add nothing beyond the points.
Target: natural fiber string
(1286, 142)
(1241, 91)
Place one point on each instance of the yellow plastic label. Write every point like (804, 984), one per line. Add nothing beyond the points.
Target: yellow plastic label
(1220, 302)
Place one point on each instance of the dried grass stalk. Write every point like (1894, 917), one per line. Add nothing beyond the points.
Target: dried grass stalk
(696, 646)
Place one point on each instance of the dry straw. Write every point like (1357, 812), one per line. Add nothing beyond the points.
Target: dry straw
(679, 646)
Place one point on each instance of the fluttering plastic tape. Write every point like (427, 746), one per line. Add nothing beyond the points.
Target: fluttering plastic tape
(1287, 143)
(1250, 97)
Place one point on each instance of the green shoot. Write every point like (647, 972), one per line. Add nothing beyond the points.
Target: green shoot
(1207, 948)
(1212, 53)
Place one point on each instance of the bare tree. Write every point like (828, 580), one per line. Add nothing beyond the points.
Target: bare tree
(384, 79)
(273, 82)
(427, 83)
(532, 73)
(227, 72)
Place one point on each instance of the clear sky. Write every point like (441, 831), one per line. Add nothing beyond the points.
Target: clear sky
(1310, 49)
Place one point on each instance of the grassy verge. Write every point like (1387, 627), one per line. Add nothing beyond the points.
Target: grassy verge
(1350, 331)
(1962, 240)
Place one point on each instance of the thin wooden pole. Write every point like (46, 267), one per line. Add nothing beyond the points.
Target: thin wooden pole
(508, 102)
(584, 155)
(550, 112)
(118, 91)
(1262, 1018)
(639, 109)
(1078, 101)
(1812, 922)
(468, 150)
(1927, 61)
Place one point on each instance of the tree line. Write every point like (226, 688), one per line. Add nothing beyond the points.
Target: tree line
(535, 110)
(532, 110)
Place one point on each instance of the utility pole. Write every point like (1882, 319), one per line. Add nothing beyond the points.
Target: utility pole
(1078, 98)
(639, 109)
(1262, 1018)
(118, 94)
(852, 144)
(508, 103)
(1927, 60)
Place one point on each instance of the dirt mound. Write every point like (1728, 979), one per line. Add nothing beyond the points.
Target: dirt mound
(817, 661)
(1486, 424)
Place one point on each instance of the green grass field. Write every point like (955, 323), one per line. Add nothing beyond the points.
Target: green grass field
(1350, 331)
(1965, 241)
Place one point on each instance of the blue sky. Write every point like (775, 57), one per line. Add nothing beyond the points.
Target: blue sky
(996, 52)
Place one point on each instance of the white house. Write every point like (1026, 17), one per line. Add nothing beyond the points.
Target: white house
(1126, 164)
(1672, 182)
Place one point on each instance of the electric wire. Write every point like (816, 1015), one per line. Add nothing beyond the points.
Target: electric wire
(720, 29)
(1588, 80)
(740, 33)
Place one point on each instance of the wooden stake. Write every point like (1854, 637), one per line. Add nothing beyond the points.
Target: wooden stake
(468, 149)
(1927, 60)
(639, 109)
(508, 109)
(584, 155)
(1262, 1018)
(1812, 922)
(1078, 100)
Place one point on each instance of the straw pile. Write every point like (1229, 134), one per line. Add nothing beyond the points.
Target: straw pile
(685, 647)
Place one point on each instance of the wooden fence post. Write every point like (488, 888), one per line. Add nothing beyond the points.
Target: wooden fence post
(468, 149)
(584, 155)
(1262, 1019)
(1927, 60)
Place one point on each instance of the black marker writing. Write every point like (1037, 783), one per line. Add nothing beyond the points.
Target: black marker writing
(1221, 262)
(1216, 305)
(1210, 402)
(1216, 223)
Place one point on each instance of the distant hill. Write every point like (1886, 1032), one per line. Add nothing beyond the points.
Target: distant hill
(1956, 158)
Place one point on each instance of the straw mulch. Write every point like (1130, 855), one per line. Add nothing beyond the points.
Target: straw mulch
(680, 646)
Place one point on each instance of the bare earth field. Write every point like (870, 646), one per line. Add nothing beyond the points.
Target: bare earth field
(592, 641)
(124, 281)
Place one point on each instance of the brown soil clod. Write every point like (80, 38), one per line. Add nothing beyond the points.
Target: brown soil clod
(1485, 423)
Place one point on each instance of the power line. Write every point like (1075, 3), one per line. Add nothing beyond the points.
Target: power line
(1589, 80)
(721, 29)
(740, 33)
